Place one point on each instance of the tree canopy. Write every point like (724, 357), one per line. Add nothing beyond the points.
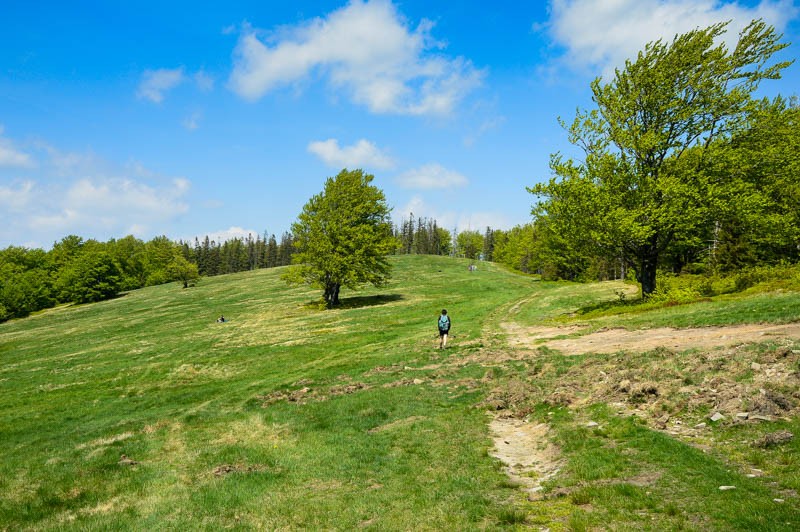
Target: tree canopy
(643, 183)
(343, 236)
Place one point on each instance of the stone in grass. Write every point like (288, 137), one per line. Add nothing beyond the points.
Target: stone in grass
(727, 488)
(592, 424)
(774, 438)
(743, 415)
(716, 416)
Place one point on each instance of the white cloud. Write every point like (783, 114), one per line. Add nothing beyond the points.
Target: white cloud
(114, 203)
(75, 193)
(17, 198)
(453, 219)
(11, 156)
(365, 49)
(156, 83)
(431, 176)
(231, 233)
(362, 154)
(602, 34)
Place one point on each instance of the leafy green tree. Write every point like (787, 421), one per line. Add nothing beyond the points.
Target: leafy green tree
(25, 282)
(180, 269)
(90, 277)
(443, 241)
(65, 250)
(470, 243)
(757, 171)
(343, 236)
(129, 252)
(636, 189)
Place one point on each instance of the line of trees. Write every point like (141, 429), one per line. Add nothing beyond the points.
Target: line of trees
(424, 236)
(84, 271)
(239, 254)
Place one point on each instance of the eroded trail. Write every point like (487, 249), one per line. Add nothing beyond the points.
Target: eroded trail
(525, 448)
(615, 340)
(528, 456)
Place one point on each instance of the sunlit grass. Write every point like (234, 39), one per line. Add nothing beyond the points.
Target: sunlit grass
(144, 413)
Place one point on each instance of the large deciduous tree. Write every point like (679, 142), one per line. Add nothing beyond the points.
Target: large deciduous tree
(343, 236)
(640, 184)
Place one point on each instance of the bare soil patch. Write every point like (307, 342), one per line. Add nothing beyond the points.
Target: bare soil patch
(227, 469)
(615, 340)
(524, 448)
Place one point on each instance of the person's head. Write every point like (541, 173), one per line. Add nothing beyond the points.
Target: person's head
(444, 312)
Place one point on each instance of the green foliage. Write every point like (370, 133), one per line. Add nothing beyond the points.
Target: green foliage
(25, 282)
(641, 186)
(470, 244)
(756, 172)
(88, 278)
(343, 236)
(180, 269)
(516, 248)
(422, 236)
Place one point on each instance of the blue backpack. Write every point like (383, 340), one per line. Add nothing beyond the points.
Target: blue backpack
(444, 323)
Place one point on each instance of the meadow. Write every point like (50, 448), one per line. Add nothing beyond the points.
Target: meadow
(142, 412)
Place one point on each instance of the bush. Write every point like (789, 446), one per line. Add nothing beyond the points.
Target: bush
(779, 274)
(673, 289)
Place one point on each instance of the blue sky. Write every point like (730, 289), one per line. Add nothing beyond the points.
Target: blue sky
(185, 119)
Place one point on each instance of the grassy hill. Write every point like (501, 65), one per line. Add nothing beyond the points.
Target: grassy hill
(142, 412)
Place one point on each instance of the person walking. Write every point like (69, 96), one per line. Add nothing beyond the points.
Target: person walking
(444, 329)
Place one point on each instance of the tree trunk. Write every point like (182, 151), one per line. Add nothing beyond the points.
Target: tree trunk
(647, 271)
(332, 294)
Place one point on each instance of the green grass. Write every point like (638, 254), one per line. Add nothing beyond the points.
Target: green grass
(289, 416)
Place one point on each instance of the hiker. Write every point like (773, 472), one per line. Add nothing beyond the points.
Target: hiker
(221, 319)
(444, 329)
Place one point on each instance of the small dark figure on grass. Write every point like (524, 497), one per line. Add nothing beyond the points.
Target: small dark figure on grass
(221, 319)
(444, 329)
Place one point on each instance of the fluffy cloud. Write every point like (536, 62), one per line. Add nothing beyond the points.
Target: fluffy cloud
(16, 198)
(156, 83)
(113, 204)
(365, 49)
(602, 34)
(431, 176)
(77, 193)
(362, 154)
(11, 156)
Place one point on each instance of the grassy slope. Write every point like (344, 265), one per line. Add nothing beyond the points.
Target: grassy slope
(202, 408)
(152, 376)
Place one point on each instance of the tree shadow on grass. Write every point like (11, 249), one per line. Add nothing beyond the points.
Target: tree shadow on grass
(367, 301)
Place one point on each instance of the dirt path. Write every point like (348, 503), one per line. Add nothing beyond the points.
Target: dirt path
(523, 447)
(614, 340)
(529, 458)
